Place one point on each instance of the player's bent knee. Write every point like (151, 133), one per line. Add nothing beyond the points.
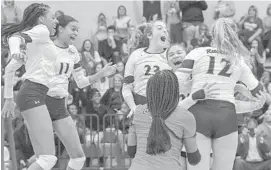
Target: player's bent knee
(46, 162)
(77, 163)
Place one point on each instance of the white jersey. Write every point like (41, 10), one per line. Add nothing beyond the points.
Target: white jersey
(207, 65)
(140, 66)
(41, 56)
(66, 59)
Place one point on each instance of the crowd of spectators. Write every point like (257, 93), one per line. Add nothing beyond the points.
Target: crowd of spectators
(110, 43)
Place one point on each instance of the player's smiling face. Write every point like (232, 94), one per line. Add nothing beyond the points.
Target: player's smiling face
(70, 32)
(160, 34)
(175, 56)
(50, 21)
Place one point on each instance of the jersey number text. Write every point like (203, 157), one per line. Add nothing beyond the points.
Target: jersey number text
(223, 72)
(64, 68)
(149, 68)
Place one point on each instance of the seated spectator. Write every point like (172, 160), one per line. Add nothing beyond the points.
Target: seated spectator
(78, 120)
(124, 122)
(251, 26)
(103, 84)
(24, 151)
(253, 149)
(107, 47)
(265, 128)
(97, 108)
(120, 68)
(122, 22)
(10, 12)
(204, 38)
(267, 20)
(113, 97)
(267, 32)
(257, 58)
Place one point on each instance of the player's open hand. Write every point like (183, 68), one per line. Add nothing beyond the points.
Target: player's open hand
(21, 57)
(208, 91)
(109, 69)
(260, 99)
(8, 108)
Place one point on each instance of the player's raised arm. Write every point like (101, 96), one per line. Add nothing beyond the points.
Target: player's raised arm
(127, 88)
(84, 81)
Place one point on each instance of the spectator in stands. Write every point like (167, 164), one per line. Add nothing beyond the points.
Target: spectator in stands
(192, 17)
(59, 13)
(251, 26)
(253, 149)
(10, 12)
(103, 84)
(78, 120)
(124, 53)
(101, 33)
(24, 150)
(113, 98)
(90, 57)
(122, 22)
(152, 10)
(265, 128)
(258, 58)
(225, 9)
(204, 38)
(96, 107)
(267, 31)
(173, 20)
(106, 48)
(267, 20)
(124, 122)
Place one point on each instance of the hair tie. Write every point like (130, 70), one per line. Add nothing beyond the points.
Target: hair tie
(157, 116)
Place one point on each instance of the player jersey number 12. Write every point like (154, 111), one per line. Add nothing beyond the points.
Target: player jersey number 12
(224, 71)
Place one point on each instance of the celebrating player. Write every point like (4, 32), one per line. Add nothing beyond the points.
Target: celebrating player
(223, 63)
(41, 23)
(68, 63)
(143, 63)
(40, 60)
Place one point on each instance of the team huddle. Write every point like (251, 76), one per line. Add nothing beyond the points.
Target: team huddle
(176, 99)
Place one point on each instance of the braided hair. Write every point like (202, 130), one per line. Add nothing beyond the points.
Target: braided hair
(162, 100)
(30, 18)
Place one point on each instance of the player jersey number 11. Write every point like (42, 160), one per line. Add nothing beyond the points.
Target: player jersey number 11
(224, 71)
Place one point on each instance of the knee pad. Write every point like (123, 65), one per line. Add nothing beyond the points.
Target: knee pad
(46, 162)
(77, 163)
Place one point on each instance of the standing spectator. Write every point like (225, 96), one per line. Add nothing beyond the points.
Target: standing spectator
(265, 128)
(110, 46)
(251, 26)
(152, 10)
(225, 9)
(113, 98)
(173, 20)
(103, 84)
(253, 149)
(10, 13)
(122, 22)
(192, 17)
(101, 33)
(90, 57)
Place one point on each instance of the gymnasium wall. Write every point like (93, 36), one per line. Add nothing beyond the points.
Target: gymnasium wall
(86, 12)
